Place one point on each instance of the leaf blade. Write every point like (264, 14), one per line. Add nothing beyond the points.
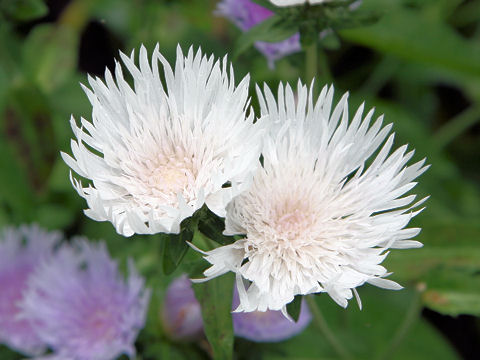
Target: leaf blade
(215, 298)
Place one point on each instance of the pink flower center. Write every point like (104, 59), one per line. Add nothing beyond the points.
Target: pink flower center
(292, 224)
(171, 178)
(158, 182)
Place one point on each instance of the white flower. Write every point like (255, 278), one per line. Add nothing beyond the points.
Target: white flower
(156, 153)
(320, 216)
(297, 2)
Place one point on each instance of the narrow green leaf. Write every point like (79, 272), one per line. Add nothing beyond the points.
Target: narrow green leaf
(412, 36)
(175, 246)
(15, 191)
(453, 302)
(50, 55)
(366, 333)
(295, 307)
(212, 227)
(447, 265)
(195, 269)
(215, 298)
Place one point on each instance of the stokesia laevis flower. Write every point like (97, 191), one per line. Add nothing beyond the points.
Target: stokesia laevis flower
(268, 326)
(182, 317)
(282, 3)
(320, 215)
(297, 2)
(82, 308)
(181, 312)
(155, 154)
(245, 14)
(21, 251)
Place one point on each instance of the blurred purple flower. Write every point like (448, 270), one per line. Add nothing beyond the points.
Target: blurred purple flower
(82, 308)
(245, 14)
(182, 315)
(268, 326)
(183, 318)
(21, 251)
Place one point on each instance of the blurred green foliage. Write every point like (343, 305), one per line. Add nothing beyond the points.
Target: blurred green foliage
(419, 64)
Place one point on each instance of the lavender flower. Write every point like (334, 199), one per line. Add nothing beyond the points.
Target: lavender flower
(245, 14)
(21, 250)
(182, 315)
(183, 318)
(80, 306)
(268, 326)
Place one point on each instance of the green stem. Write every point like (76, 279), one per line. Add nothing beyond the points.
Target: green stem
(322, 325)
(324, 69)
(448, 132)
(411, 316)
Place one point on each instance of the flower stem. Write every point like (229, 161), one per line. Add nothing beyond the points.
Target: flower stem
(322, 325)
(448, 132)
(410, 318)
(325, 75)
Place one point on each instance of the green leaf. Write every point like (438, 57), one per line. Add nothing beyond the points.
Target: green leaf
(453, 302)
(175, 246)
(28, 123)
(212, 227)
(50, 55)
(215, 298)
(295, 307)
(273, 29)
(447, 265)
(24, 10)
(366, 333)
(54, 216)
(330, 40)
(15, 191)
(28, 149)
(415, 37)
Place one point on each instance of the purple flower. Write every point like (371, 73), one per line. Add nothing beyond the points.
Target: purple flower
(182, 315)
(268, 326)
(246, 14)
(82, 308)
(21, 250)
(183, 318)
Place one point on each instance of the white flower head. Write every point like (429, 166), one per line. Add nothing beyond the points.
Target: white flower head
(320, 215)
(297, 2)
(156, 153)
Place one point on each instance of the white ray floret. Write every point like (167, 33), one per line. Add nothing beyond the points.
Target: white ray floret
(297, 2)
(157, 152)
(317, 217)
